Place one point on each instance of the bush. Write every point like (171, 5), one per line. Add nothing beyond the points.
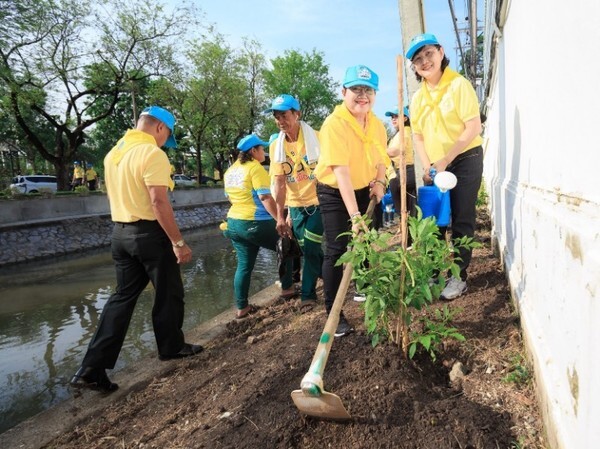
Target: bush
(377, 272)
(82, 190)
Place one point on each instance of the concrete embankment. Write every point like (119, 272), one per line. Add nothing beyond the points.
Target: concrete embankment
(46, 227)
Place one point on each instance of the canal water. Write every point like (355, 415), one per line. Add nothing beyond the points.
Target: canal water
(49, 311)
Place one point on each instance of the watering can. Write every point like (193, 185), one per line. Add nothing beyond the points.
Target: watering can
(434, 200)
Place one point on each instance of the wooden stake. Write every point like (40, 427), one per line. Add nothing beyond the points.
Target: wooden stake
(402, 337)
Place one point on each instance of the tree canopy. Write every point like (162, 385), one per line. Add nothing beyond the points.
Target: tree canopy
(74, 74)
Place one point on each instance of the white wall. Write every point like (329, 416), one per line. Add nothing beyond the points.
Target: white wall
(542, 173)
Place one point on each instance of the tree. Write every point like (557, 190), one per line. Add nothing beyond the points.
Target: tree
(80, 53)
(210, 99)
(305, 76)
(479, 64)
(107, 131)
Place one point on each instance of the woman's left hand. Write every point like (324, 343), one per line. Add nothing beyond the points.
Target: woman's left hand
(440, 165)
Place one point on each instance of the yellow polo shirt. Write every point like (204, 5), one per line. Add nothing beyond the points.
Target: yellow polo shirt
(78, 172)
(243, 185)
(409, 154)
(439, 114)
(340, 145)
(133, 164)
(301, 184)
(90, 174)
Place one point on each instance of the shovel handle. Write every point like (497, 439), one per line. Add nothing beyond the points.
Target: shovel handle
(312, 382)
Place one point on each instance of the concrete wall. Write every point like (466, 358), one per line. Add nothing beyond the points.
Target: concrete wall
(40, 234)
(42, 209)
(540, 170)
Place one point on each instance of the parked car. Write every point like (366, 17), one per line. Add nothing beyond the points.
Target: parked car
(183, 180)
(33, 183)
(204, 179)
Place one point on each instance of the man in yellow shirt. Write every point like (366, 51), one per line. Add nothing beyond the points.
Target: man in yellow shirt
(147, 246)
(91, 177)
(294, 155)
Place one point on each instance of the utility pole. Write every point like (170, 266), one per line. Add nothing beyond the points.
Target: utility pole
(473, 23)
(412, 22)
(460, 49)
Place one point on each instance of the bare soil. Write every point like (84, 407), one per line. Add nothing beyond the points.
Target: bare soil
(237, 393)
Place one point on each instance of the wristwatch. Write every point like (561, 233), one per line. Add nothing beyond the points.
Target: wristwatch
(179, 244)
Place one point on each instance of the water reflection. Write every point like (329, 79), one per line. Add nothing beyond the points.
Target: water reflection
(48, 312)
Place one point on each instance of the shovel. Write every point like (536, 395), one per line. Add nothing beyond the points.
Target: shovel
(312, 399)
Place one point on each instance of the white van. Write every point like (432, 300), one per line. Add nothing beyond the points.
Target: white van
(33, 183)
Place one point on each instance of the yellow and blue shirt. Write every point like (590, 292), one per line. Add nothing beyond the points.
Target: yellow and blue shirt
(439, 114)
(243, 185)
(133, 164)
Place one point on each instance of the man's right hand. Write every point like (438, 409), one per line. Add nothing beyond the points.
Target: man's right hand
(183, 254)
(283, 229)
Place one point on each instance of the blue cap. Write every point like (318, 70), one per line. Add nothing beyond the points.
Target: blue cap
(75, 162)
(393, 111)
(361, 75)
(249, 142)
(273, 137)
(420, 41)
(283, 102)
(89, 165)
(167, 118)
(406, 111)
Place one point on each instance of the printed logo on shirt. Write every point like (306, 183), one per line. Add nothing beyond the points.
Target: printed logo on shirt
(235, 178)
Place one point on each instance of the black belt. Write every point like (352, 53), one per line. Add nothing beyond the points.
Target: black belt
(135, 223)
(322, 186)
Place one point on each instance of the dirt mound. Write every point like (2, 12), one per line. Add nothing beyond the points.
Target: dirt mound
(237, 393)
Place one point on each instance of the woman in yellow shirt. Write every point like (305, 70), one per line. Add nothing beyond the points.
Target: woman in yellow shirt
(446, 126)
(351, 169)
(250, 220)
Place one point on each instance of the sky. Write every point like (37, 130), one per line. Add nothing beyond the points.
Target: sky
(347, 32)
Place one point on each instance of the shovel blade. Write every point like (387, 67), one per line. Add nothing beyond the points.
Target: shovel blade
(327, 405)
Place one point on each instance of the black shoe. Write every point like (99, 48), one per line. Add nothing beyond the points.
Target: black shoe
(343, 328)
(187, 351)
(94, 379)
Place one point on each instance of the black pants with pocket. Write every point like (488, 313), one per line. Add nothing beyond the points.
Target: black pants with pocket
(468, 168)
(142, 253)
(335, 222)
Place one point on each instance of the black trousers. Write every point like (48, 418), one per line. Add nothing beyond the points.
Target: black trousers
(468, 168)
(142, 253)
(336, 221)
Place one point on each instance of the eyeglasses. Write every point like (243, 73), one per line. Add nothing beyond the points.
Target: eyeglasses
(362, 90)
(427, 54)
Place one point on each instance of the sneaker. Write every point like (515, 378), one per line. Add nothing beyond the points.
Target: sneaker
(359, 297)
(344, 328)
(454, 288)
